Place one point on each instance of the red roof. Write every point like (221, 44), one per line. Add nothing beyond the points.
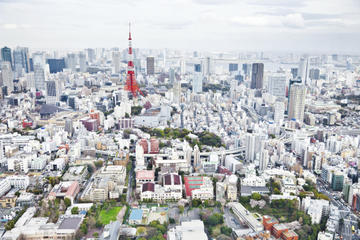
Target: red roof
(191, 183)
(148, 187)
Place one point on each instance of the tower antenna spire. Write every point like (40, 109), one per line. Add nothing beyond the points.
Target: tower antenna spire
(131, 84)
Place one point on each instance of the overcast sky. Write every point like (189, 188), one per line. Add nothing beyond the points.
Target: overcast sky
(214, 25)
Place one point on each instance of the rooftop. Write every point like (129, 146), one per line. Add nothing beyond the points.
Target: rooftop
(136, 214)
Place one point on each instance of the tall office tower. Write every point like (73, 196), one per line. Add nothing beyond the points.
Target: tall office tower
(277, 85)
(171, 76)
(21, 61)
(69, 126)
(91, 55)
(177, 92)
(294, 72)
(51, 92)
(182, 67)
(253, 146)
(246, 69)
(233, 89)
(250, 147)
(314, 74)
(150, 65)
(233, 67)
(116, 59)
(297, 102)
(279, 109)
(257, 76)
(207, 66)
(197, 80)
(39, 77)
(6, 55)
(131, 84)
(38, 58)
(82, 62)
(71, 61)
(303, 72)
(56, 65)
(264, 160)
(7, 77)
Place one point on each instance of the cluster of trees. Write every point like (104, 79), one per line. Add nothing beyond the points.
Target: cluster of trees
(205, 138)
(209, 139)
(136, 110)
(311, 231)
(273, 186)
(310, 187)
(215, 88)
(226, 230)
(10, 224)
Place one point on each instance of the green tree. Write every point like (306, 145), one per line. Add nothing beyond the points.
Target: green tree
(226, 230)
(67, 202)
(181, 209)
(276, 191)
(256, 196)
(75, 210)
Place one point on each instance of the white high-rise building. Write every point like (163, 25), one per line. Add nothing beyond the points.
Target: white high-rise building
(197, 83)
(177, 92)
(116, 59)
(297, 102)
(264, 159)
(39, 77)
(277, 85)
(6, 77)
(303, 72)
(82, 62)
(279, 109)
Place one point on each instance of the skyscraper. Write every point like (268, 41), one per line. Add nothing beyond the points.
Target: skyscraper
(257, 76)
(56, 65)
(7, 77)
(277, 85)
(303, 72)
(171, 75)
(116, 58)
(197, 80)
(279, 109)
(51, 92)
(82, 62)
(150, 65)
(21, 61)
(90, 55)
(233, 67)
(297, 102)
(39, 77)
(6, 55)
(71, 62)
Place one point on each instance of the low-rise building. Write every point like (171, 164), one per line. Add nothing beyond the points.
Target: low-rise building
(199, 187)
(188, 231)
(245, 216)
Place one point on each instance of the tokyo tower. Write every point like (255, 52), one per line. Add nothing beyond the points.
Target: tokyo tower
(131, 84)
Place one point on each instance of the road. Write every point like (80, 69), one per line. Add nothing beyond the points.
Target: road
(130, 190)
(350, 219)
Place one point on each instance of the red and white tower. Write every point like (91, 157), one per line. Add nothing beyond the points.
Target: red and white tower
(131, 84)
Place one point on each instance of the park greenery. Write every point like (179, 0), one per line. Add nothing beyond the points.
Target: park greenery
(286, 211)
(136, 110)
(203, 138)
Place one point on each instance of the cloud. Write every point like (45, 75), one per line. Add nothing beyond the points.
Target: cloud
(281, 3)
(295, 20)
(10, 26)
(214, 2)
(290, 21)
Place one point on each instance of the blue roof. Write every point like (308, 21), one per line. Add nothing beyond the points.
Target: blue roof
(136, 214)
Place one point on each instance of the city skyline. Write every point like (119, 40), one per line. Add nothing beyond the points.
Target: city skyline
(309, 26)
